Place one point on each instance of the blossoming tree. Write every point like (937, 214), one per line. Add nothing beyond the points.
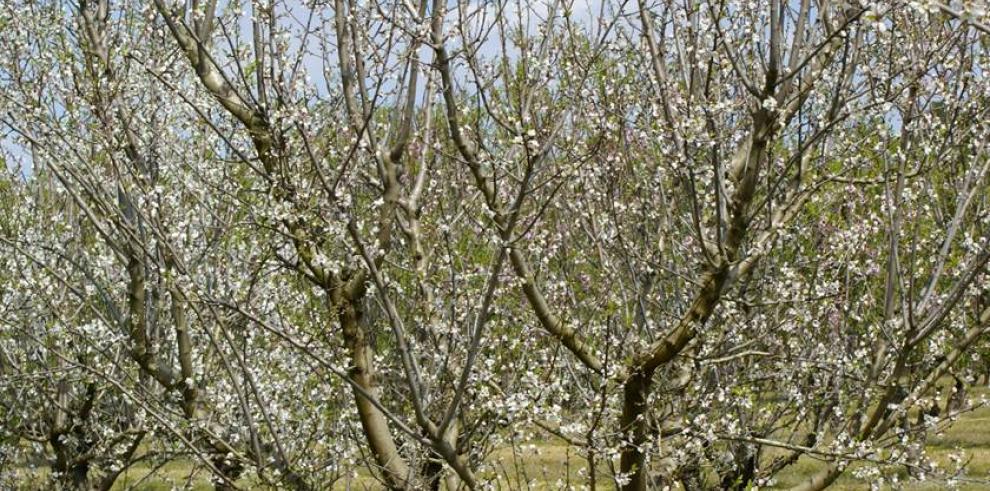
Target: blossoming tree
(288, 241)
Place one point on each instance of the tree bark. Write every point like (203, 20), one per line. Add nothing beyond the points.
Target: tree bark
(373, 422)
(635, 429)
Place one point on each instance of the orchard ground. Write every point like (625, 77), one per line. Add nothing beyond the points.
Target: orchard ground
(551, 465)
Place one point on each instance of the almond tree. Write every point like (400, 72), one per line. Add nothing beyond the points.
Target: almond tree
(134, 248)
(404, 235)
(752, 113)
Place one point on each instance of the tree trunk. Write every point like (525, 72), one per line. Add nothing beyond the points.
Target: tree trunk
(635, 430)
(72, 476)
(373, 422)
(76, 477)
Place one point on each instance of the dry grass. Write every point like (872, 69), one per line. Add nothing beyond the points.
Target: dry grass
(550, 466)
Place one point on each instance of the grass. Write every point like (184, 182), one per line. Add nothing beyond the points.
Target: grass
(970, 435)
(550, 465)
